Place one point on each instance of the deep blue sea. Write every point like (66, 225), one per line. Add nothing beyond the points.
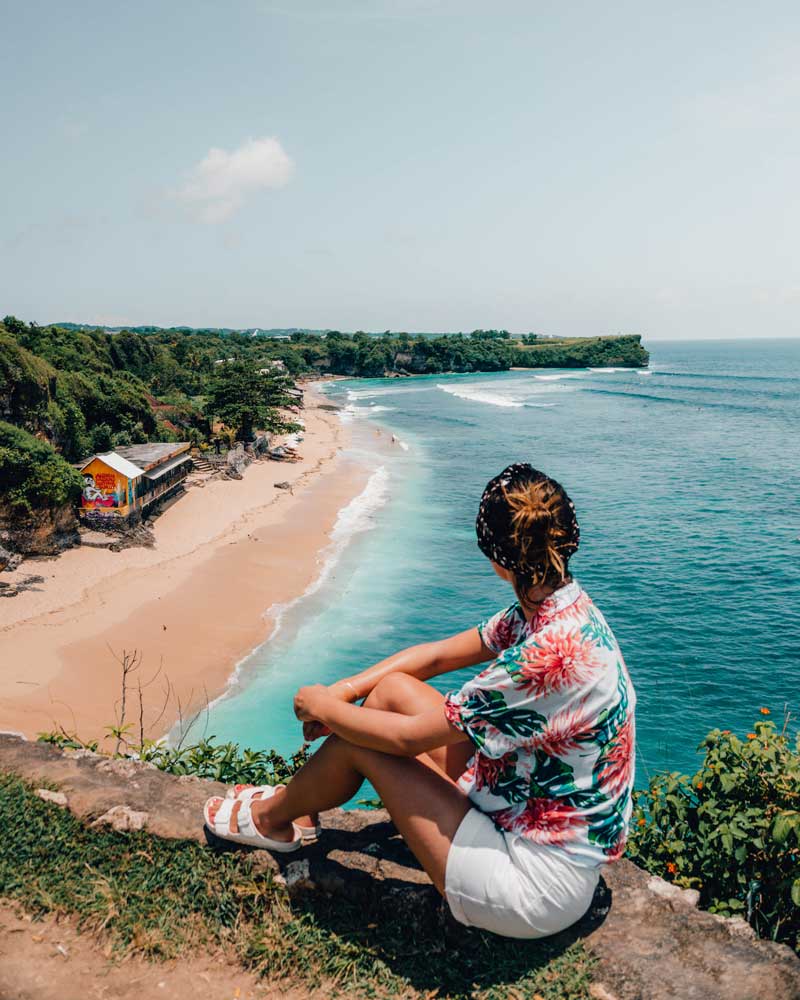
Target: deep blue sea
(686, 479)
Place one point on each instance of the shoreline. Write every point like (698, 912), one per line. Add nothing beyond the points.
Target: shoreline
(327, 560)
(227, 558)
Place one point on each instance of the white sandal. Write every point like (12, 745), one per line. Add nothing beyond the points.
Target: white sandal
(247, 834)
(248, 792)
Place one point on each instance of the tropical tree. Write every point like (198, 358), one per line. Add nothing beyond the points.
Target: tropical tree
(244, 398)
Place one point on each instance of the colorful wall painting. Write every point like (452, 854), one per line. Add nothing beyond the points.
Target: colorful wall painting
(105, 492)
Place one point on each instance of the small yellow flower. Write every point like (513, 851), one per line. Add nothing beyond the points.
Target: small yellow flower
(752, 736)
(671, 867)
(699, 785)
(765, 711)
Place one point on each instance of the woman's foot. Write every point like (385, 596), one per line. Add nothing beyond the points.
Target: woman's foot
(259, 811)
(306, 823)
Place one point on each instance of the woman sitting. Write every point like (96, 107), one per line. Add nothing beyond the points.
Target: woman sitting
(513, 791)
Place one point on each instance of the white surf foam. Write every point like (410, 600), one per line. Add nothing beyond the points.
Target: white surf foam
(355, 517)
(554, 378)
(611, 371)
(353, 412)
(359, 514)
(644, 371)
(386, 390)
(478, 394)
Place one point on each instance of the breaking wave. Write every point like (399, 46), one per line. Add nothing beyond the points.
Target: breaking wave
(477, 394)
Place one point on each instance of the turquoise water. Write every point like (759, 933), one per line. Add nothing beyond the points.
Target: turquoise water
(687, 485)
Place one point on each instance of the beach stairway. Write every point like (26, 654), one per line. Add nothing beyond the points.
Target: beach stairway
(201, 464)
(650, 940)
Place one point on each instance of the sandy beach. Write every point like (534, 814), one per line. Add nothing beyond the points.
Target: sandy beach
(193, 606)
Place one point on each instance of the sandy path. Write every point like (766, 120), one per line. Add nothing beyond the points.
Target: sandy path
(49, 960)
(195, 604)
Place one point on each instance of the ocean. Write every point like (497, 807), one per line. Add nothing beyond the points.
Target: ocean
(686, 480)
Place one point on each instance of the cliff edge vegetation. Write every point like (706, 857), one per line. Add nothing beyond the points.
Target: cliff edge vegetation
(584, 352)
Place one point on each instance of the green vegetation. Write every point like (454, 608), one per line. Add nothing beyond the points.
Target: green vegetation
(33, 475)
(224, 762)
(244, 397)
(81, 390)
(68, 393)
(732, 830)
(164, 899)
(480, 351)
(584, 352)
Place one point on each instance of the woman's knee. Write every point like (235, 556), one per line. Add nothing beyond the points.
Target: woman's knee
(401, 693)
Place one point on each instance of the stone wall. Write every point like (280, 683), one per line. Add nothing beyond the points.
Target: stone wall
(651, 941)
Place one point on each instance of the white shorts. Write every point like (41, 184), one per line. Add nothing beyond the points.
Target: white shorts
(505, 883)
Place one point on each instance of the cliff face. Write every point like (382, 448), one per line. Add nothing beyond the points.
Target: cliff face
(40, 533)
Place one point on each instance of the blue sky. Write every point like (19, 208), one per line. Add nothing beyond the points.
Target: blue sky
(575, 168)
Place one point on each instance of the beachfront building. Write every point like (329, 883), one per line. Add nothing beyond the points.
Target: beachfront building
(123, 484)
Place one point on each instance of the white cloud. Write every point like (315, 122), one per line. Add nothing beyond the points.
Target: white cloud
(221, 182)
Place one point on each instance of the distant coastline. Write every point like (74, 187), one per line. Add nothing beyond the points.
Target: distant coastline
(378, 355)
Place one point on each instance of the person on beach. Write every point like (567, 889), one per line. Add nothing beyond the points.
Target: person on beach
(512, 791)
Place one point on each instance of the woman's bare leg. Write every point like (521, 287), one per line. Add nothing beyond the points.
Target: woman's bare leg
(426, 805)
(419, 793)
(408, 696)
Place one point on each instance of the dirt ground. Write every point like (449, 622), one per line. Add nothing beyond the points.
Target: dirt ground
(49, 960)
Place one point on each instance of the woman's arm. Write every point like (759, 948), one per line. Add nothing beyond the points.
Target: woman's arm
(390, 732)
(428, 659)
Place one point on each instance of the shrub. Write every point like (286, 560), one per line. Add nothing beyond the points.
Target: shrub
(732, 830)
(102, 438)
(27, 384)
(32, 475)
(225, 762)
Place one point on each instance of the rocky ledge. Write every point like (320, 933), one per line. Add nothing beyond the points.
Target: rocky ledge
(651, 941)
(41, 533)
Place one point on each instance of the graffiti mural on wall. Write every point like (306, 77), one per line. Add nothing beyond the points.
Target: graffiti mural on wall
(100, 495)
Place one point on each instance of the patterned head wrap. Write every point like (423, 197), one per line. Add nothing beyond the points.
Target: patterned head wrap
(496, 531)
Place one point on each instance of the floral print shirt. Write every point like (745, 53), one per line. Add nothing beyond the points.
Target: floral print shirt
(552, 720)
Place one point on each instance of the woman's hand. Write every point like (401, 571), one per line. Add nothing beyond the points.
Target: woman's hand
(309, 700)
(315, 730)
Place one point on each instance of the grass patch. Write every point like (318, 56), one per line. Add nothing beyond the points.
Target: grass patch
(162, 898)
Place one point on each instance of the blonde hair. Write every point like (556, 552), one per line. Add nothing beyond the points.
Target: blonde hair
(538, 531)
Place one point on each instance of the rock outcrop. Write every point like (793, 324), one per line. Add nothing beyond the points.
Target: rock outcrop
(9, 560)
(651, 941)
(40, 533)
